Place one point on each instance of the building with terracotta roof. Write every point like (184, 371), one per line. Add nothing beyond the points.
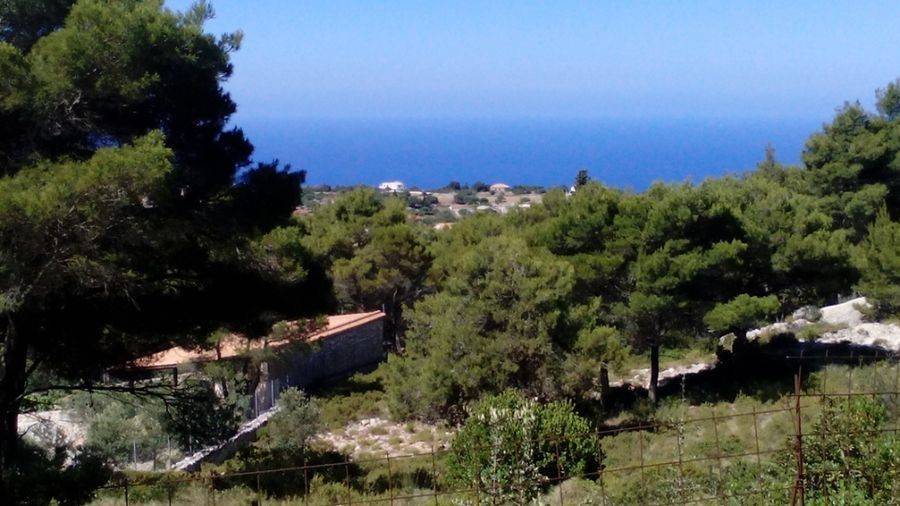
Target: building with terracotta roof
(298, 356)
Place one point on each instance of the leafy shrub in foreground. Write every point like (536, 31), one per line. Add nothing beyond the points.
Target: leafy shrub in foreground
(849, 453)
(511, 448)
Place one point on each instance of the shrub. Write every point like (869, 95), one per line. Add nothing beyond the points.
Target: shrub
(465, 197)
(817, 330)
(511, 448)
(849, 454)
(41, 478)
(201, 418)
(295, 423)
(742, 313)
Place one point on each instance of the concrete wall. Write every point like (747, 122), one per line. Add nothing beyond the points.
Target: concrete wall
(331, 357)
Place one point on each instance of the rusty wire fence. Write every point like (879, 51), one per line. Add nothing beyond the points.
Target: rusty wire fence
(692, 455)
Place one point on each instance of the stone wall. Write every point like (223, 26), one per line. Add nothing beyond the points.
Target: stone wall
(331, 357)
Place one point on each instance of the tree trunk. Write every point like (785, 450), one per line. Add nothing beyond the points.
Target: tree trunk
(604, 384)
(654, 372)
(393, 310)
(12, 386)
(395, 326)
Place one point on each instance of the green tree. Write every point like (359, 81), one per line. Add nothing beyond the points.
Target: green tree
(888, 102)
(596, 230)
(128, 208)
(693, 254)
(597, 349)
(796, 250)
(493, 324)
(465, 197)
(386, 273)
(741, 314)
(339, 229)
(855, 162)
(198, 417)
(878, 259)
(122, 431)
(582, 178)
(24, 22)
(374, 258)
(290, 430)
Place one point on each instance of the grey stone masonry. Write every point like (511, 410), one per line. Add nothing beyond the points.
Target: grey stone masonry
(337, 355)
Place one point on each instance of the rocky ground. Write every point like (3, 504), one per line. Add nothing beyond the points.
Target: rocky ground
(840, 323)
(377, 437)
(844, 323)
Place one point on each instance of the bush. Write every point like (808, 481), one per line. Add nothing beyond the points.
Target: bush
(41, 478)
(295, 423)
(817, 330)
(741, 313)
(200, 418)
(512, 448)
(465, 197)
(849, 454)
(339, 410)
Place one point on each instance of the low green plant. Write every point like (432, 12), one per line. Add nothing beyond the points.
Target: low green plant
(510, 447)
(816, 330)
(849, 454)
(293, 426)
(358, 397)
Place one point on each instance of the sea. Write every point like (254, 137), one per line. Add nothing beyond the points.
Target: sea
(625, 153)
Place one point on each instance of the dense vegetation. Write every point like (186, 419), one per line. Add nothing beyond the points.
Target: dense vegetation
(130, 214)
(540, 299)
(132, 219)
(513, 449)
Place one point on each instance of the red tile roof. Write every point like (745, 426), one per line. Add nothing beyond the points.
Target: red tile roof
(234, 345)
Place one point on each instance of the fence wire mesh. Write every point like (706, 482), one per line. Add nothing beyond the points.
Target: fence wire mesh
(705, 455)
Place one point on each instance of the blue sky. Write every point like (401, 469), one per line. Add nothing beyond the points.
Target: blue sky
(557, 59)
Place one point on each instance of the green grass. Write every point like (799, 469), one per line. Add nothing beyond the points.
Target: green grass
(358, 397)
(817, 330)
(695, 434)
(728, 447)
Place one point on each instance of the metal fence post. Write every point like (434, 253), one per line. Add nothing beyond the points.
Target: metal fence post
(434, 480)
(390, 479)
(798, 493)
(559, 475)
(305, 482)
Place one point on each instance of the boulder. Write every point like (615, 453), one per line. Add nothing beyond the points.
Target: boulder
(875, 335)
(809, 313)
(847, 313)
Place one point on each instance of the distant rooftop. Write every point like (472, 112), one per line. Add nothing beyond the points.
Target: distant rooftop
(394, 186)
(234, 345)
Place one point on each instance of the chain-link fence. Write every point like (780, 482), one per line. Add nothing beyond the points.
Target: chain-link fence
(769, 453)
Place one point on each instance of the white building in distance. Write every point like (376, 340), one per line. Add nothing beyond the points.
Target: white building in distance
(392, 186)
(499, 188)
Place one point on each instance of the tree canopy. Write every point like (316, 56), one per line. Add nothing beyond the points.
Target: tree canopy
(129, 210)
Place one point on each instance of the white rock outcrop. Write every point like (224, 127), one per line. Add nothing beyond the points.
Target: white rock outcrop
(875, 335)
(777, 328)
(641, 377)
(848, 315)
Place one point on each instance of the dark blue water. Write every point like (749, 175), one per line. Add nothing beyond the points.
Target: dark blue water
(425, 153)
